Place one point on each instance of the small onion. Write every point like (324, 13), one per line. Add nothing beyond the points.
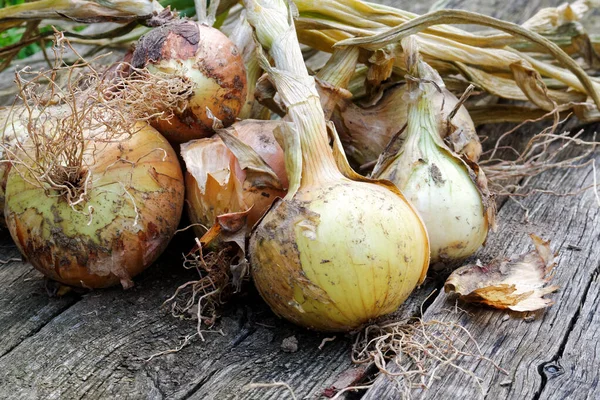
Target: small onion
(129, 213)
(450, 195)
(205, 57)
(215, 182)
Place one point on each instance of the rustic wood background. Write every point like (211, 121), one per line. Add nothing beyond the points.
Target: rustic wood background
(95, 346)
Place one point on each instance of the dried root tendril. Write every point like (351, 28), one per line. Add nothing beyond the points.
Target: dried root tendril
(200, 299)
(545, 151)
(420, 350)
(146, 95)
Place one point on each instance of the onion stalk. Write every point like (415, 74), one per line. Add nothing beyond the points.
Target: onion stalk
(338, 250)
(366, 131)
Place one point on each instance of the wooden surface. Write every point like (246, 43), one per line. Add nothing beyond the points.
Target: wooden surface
(96, 345)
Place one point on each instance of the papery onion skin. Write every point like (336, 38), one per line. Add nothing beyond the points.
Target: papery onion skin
(215, 183)
(332, 265)
(204, 56)
(365, 132)
(120, 239)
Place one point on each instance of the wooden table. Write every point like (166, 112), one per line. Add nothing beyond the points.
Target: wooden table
(97, 345)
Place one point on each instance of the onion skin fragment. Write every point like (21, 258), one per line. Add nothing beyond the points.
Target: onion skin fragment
(136, 198)
(217, 185)
(204, 56)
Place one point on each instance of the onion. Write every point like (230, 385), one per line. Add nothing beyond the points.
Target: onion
(337, 251)
(450, 195)
(205, 57)
(215, 182)
(130, 199)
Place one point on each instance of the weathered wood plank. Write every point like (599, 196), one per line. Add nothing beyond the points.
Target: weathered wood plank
(98, 347)
(519, 345)
(24, 303)
(572, 372)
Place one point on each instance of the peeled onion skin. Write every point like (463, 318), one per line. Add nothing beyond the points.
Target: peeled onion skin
(120, 240)
(226, 187)
(207, 58)
(330, 264)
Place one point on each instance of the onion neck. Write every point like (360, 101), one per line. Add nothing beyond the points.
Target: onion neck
(276, 32)
(336, 75)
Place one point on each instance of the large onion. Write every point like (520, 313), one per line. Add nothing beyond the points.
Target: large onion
(130, 210)
(204, 57)
(337, 251)
(216, 184)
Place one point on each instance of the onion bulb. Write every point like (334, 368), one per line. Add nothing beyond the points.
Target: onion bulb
(216, 183)
(204, 57)
(338, 250)
(449, 193)
(129, 202)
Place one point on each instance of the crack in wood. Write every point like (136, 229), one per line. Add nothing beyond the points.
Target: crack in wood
(199, 385)
(561, 349)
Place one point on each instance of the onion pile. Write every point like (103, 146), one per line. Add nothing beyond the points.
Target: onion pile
(336, 252)
(201, 56)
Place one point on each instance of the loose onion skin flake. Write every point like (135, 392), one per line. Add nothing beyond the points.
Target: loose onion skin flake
(131, 208)
(205, 57)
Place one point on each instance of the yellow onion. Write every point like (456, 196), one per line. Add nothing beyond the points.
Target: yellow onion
(205, 57)
(450, 195)
(216, 183)
(130, 203)
(338, 250)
